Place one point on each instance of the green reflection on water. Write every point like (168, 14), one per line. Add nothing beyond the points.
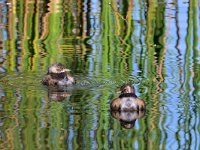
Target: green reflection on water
(105, 44)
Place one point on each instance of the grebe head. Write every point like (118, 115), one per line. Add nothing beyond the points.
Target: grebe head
(127, 88)
(57, 68)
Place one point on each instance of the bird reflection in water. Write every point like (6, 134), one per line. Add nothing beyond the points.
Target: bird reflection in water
(58, 93)
(127, 118)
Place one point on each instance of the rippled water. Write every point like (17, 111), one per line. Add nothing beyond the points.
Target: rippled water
(152, 45)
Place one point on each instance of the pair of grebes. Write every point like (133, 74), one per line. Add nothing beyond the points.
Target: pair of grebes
(121, 107)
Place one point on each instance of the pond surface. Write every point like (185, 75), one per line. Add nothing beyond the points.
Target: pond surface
(153, 45)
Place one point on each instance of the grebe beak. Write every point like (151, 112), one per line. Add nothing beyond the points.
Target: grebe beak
(66, 70)
(118, 92)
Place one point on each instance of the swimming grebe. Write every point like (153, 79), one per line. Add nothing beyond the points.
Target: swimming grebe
(58, 75)
(127, 100)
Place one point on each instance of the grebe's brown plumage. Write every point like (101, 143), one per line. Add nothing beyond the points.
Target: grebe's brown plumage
(58, 75)
(127, 101)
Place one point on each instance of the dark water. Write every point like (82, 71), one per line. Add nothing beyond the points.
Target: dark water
(152, 45)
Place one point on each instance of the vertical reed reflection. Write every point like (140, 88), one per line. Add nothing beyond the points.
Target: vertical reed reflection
(185, 132)
(109, 43)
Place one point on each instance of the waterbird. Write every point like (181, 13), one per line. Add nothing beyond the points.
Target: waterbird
(58, 75)
(127, 100)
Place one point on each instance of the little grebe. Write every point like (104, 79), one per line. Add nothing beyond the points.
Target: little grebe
(58, 75)
(127, 100)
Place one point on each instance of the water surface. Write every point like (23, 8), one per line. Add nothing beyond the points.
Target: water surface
(152, 45)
